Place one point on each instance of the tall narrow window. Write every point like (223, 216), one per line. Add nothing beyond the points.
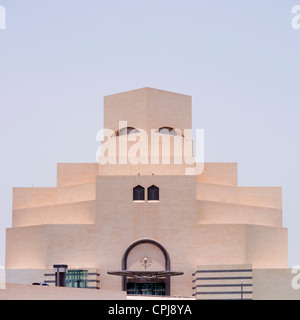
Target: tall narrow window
(153, 193)
(138, 193)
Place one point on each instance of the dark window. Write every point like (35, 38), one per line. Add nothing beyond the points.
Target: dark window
(77, 278)
(152, 289)
(168, 130)
(153, 193)
(126, 131)
(138, 193)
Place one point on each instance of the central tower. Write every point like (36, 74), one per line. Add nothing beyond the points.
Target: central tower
(149, 131)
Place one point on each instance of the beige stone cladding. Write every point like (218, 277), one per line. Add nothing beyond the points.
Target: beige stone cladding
(276, 284)
(148, 109)
(238, 244)
(169, 221)
(40, 247)
(236, 282)
(29, 292)
(215, 212)
(175, 221)
(68, 204)
(69, 213)
(220, 174)
(26, 247)
(39, 197)
(26, 276)
(266, 247)
(223, 282)
(150, 169)
(258, 197)
(76, 173)
(30, 276)
(90, 219)
(151, 110)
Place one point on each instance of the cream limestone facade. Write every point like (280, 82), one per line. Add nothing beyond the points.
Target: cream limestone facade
(199, 224)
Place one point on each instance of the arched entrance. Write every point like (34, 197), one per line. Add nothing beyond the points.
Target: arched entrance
(148, 261)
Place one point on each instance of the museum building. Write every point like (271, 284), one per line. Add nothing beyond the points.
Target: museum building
(146, 219)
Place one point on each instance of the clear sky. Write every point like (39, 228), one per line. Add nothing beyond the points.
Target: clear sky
(239, 60)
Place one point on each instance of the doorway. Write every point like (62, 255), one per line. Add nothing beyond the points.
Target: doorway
(147, 289)
(138, 256)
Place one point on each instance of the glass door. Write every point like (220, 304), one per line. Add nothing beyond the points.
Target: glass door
(147, 289)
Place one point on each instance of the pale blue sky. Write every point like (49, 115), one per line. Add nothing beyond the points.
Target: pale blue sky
(239, 60)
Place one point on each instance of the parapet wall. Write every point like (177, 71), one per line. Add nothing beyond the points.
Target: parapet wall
(29, 292)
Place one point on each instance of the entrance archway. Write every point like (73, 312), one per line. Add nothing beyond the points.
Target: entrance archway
(164, 284)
